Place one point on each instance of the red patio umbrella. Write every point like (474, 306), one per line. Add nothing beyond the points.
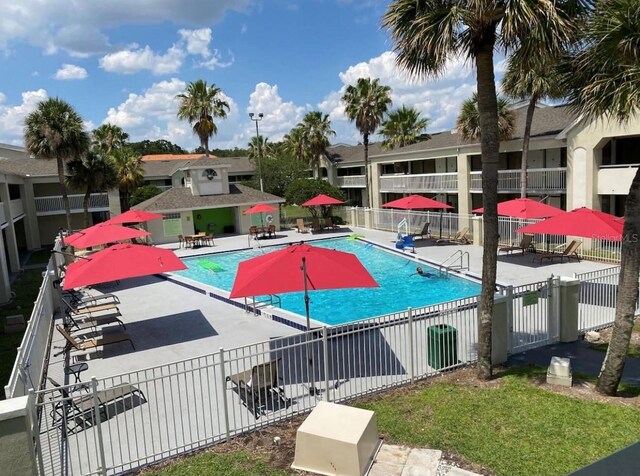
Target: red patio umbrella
(322, 199)
(133, 216)
(525, 208)
(259, 208)
(120, 262)
(583, 222)
(416, 202)
(101, 234)
(300, 267)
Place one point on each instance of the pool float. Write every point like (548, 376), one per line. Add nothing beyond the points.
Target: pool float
(210, 265)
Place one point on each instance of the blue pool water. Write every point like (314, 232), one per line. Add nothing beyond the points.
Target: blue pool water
(399, 289)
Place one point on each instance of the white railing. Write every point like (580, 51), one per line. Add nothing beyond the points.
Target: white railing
(32, 355)
(351, 181)
(538, 180)
(419, 183)
(53, 205)
(17, 208)
(179, 407)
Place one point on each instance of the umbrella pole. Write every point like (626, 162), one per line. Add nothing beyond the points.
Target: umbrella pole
(312, 387)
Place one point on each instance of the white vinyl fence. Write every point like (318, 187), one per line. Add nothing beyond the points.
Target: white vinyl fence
(115, 424)
(32, 356)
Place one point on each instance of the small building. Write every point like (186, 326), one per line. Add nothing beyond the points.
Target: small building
(206, 202)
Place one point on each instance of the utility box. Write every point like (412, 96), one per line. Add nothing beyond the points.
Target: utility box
(337, 440)
(443, 346)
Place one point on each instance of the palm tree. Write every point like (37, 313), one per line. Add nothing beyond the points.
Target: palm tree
(428, 33)
(403, 127)
(535, 78)
(295, 144)
(604, 80)
(199, 105)
(129, 171)
(55, 130)
(108, 137)
(468, 120)
(316, 129)
(366, 103)
(92, 173)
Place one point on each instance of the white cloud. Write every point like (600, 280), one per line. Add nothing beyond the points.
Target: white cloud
(71, 71)
(80, 28)
(12, 117)
(135, 59)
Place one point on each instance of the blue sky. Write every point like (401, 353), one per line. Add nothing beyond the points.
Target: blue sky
(123, 62)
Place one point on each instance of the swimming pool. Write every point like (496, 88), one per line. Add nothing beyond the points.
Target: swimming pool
(400, 286)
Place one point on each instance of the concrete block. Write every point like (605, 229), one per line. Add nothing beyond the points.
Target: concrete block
(14, 324)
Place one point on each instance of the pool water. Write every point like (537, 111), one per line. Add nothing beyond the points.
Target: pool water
(400, 286)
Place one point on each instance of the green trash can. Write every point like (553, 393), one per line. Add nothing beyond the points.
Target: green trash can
(443, 346)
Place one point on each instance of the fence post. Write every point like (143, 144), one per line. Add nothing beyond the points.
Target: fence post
(225, 403)
(325, 349)
(412, 373)
(509, 300)
(98, 420)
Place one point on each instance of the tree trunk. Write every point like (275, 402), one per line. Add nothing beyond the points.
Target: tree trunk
(85, 203)
(65, 195)
(367, 178)
(525, 145)
(489, 146)
(614, 360)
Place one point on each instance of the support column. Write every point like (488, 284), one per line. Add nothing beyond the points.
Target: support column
(10, 231)
(32, 231)
(18, 454)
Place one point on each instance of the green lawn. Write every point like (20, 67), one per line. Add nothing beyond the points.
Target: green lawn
(238, 463)
(26, 288)
(514, 428)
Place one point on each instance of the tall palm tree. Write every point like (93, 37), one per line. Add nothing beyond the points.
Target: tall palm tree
(316, 129)
(199, 105)
(129, 171)
(295, 144)
(468, 120)
(604, 80)
(366, 103)
(536, 78)
(55, 130)
(428, 33)
(403, 127)
(108, 137)
(92, 173)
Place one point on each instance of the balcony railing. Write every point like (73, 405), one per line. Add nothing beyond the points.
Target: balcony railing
(98, 202)
(538, 180)
(351, 181)
(419, 183)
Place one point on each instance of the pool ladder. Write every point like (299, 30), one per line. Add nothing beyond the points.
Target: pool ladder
(455, 261)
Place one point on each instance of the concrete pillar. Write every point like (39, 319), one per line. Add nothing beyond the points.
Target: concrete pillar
(17, 455)
(569, 308)
(114, 202)
(32, 230)
(500, 329)
(5, 285)
(10, 231)
(477, 230)
(464, 196)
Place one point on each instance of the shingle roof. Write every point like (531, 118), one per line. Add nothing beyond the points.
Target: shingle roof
(166, 168)
(182, 199)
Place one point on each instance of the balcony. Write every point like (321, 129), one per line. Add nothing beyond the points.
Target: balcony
(419, 183)
(538, 180)
(616, 179)
(351, 181)
(99, 202)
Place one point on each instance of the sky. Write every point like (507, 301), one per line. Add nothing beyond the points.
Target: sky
(123, 62)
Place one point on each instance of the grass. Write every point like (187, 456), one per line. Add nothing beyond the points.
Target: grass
(26, 287)
(238, 463)
(634, 349)
(514, 428)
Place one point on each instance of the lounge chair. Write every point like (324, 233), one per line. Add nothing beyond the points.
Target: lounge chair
(259, 387)
(459, 238)
(424, 232)
(78, 412)
(525, 245)
(571, 251)
(94, 321)
(302, 228)
(86, 344)
(328, 223)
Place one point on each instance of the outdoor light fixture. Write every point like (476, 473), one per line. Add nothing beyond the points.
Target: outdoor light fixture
(258, 145)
